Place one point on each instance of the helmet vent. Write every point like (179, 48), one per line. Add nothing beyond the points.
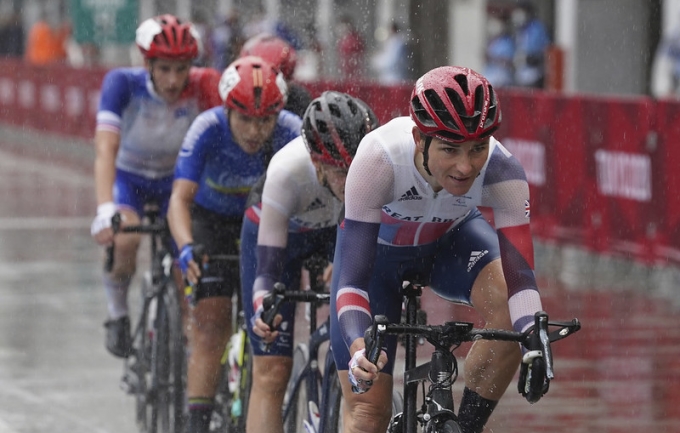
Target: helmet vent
(440, 109)
(462, 82)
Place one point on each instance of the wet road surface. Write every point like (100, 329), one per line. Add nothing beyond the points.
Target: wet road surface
(620, 373)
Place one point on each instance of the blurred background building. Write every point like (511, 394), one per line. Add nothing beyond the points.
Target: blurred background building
(606, 46)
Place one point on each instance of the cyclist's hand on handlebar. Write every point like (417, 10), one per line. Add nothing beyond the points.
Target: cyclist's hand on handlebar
(190, 269)
(101, 225)
(262, 330)
(362, 372)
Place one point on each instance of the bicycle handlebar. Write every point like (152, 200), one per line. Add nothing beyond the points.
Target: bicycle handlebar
(272, 301)
(116, 221)
(536, 338)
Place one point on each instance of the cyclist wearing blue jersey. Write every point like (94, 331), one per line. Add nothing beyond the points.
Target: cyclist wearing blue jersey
(411, 212)
(224, 153)
(143, 115)
(294, 216)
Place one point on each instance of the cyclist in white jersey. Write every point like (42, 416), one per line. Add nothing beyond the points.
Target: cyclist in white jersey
(142, 118)
(411, 212)
(294, 216)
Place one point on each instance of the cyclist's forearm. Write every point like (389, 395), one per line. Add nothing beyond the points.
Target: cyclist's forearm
(106, 145)
(179, 213)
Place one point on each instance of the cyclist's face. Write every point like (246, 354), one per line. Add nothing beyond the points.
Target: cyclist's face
(249, 132)
(169, 77)
(335, 177)
(455, 166)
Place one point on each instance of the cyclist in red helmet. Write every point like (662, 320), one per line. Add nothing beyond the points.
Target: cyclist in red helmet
(283, 56)
(226, 150)
(142, 118)
(293, 216)
(412, 194)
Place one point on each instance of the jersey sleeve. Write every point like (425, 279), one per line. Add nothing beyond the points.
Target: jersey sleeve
(196, 146)
(208, 80)
(368, 188)
(115, 96)
(506, 191)
(281, 192)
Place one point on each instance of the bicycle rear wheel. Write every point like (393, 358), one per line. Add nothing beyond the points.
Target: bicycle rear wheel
(166, 395)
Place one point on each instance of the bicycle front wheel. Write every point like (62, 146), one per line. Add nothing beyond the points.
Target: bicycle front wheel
(167, 365)
(296, 403)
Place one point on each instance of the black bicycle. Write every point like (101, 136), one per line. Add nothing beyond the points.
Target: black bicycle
(155, 370)
(233, 390)
(436, 413)
(314, 396)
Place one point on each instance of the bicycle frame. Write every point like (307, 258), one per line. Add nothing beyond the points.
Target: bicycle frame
(157, 354)
(441, 371)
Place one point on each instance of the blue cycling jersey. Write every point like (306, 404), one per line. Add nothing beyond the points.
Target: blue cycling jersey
(223, 171)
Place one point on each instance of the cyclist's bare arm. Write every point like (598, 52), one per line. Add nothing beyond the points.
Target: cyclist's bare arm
(179, 219)
(106, 147)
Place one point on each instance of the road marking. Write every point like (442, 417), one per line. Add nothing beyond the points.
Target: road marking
(44, 223)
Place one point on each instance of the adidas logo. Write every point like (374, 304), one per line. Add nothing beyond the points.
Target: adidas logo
(316, 204)
(475, 256)
(411, 194)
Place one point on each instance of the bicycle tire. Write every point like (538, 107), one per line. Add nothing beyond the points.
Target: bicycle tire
(297, 402)
(142, 364)
(167, 375)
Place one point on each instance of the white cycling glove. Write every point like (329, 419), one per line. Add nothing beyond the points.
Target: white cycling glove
(358, 386)
(105, 212)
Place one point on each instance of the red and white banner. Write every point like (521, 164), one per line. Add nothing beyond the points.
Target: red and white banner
(603, 171)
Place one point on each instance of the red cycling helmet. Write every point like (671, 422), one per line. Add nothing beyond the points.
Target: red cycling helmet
(333, 125)
(253, 87)
(455, 104)
(273, 49)
(167, 37)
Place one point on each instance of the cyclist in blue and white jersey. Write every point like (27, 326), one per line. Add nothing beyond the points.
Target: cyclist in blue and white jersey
(143, 116)
(294, 215)
(224, 153)
(411, 210)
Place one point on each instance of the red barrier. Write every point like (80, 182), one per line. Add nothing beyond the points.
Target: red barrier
(55, 99)
(602, 171)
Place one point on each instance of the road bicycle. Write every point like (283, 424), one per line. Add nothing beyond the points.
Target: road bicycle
(155, 370)
(436, 413)
(233, 390)
(314, 396)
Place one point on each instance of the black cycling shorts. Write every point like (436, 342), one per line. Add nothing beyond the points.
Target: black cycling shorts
(219, 235)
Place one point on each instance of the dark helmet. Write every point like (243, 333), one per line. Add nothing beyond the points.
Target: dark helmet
(455, 104)
(334, 124)
(274, 50)
(253, 87)
(167, 37)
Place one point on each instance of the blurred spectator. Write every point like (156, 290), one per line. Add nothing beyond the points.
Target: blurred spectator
(226, 40)
(201, 25)
(532, 40)
(11, 36)
(280, 54)
(666, 66)
(391, 62)
(47, 43)
(351, 48)
(500, 52)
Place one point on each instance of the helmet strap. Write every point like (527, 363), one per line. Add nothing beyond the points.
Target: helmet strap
(426, 148)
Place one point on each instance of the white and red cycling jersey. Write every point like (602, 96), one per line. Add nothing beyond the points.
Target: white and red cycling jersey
(152, 130)
(388, 202)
